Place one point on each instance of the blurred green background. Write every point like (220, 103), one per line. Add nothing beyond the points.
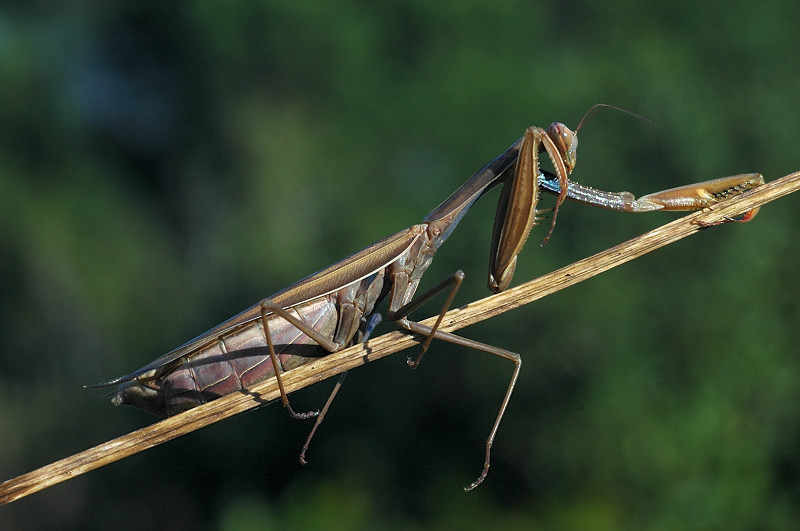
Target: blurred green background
(164, 166)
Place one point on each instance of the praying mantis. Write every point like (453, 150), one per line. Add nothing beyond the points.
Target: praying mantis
(331, 309)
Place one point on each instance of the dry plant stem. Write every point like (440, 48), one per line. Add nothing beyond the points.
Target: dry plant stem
(387, 344)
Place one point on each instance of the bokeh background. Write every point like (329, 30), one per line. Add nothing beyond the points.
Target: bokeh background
(165, 165)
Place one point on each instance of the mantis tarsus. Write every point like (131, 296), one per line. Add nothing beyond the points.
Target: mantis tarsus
(328, 310)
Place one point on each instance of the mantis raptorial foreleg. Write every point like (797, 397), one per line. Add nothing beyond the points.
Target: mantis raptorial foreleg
(516, 210)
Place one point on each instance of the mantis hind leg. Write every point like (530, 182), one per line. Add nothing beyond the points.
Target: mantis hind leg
(430, 333)
(373, 322)
(513, 357)
(327, 344)
(269, 306)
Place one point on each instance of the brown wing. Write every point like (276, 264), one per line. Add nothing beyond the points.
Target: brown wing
(343, 273)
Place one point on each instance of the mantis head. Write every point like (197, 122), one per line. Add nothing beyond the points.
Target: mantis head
(566, 141)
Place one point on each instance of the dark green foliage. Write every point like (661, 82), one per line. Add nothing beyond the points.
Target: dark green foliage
(164, 166)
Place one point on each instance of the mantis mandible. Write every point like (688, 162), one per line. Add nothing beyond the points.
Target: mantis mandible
(329, 310)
